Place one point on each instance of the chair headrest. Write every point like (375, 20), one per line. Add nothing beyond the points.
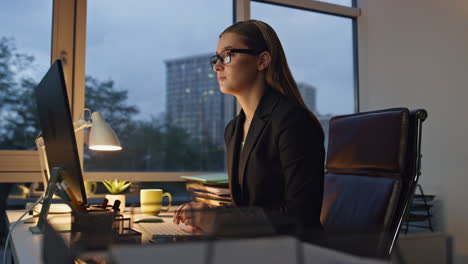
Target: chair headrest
(369, 143)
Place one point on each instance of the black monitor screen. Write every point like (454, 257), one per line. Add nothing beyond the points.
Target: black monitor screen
(57, 128)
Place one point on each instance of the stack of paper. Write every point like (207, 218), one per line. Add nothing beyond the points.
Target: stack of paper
(212, 189)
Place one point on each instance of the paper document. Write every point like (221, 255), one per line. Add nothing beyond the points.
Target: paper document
(208, 178)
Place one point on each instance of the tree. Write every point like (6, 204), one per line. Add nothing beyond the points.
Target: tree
(112, 103)
(185, 153)
(102, 96)
(22, 126)
(18, 118)
(7, 82)
(154, 145)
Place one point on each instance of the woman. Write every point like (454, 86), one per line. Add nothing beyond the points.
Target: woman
(275, 145)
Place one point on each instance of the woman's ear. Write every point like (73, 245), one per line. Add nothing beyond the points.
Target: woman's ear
(264, 60)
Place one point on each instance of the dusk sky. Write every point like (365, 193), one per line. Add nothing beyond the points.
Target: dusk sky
(129, 43)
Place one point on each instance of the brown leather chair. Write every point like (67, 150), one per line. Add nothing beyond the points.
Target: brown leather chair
(372, 168)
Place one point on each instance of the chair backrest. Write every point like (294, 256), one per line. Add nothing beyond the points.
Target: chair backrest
(372, 168)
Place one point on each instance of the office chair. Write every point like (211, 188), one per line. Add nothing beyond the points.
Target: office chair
(372, 169)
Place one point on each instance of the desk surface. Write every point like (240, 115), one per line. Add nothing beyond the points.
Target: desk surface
(26, 247)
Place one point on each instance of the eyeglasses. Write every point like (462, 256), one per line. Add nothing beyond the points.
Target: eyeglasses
(225, 55)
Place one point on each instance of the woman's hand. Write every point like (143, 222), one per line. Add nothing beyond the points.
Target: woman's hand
(197, 215)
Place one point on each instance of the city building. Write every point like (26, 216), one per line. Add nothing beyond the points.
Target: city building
(309, 95)
(193, 99)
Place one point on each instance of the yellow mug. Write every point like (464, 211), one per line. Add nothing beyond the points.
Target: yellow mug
(151, 201)
(90, 187)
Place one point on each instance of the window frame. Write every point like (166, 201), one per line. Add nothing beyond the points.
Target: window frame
(68, 35)
(69, 41)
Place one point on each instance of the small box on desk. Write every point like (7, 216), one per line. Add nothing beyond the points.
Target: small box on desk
(98, 228)
(93, 229)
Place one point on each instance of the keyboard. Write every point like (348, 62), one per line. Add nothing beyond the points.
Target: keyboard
(164, 229)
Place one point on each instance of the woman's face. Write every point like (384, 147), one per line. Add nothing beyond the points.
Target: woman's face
(241, 72)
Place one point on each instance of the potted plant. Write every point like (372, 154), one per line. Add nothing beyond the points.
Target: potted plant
(115, 187)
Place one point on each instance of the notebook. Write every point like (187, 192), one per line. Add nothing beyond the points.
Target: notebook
(208, 178)
(199, 187)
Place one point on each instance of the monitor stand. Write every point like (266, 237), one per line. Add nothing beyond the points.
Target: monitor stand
(51, 188)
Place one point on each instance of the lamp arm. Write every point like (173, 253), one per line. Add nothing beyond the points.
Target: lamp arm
(81, 124)
(43, 160)
(40, 145)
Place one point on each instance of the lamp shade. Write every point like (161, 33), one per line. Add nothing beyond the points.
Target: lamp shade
(102, 137)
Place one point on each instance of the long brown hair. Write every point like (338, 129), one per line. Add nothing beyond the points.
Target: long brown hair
(260, 36)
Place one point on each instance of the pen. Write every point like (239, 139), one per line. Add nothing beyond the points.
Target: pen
(116, 206)
(104, 203)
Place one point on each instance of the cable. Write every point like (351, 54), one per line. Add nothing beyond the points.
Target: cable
(19, 220)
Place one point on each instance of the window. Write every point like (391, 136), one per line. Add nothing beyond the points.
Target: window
(320, 54)
(148, 72)
(339, 2)
(143, 60)
(25, 40)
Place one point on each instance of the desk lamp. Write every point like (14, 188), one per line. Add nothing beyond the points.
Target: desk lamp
(101, 138)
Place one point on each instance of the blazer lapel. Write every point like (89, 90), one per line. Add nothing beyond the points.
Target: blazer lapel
(232, 150)
(265, 107)
(256, 128)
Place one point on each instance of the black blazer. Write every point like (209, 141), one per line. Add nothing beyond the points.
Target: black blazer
(281, 167)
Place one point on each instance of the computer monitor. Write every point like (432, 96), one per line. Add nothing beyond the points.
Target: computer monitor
(57, 128)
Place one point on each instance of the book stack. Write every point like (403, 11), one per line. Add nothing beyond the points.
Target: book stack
(211, 189)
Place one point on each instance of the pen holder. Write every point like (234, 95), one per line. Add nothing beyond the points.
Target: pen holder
(93, 229)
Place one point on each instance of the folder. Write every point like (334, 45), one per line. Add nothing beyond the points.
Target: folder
(208, 178)
(195, 187)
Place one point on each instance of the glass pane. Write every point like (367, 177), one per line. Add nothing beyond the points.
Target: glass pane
(319, 50)
(339, 2)
(25, 41)
(148, 72)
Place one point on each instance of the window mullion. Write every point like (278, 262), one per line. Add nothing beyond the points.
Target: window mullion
(318, 6)
(68, 44)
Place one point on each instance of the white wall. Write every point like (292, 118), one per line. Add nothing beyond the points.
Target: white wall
(414, 53)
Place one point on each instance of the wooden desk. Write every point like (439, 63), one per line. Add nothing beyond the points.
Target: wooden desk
(27, 247)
